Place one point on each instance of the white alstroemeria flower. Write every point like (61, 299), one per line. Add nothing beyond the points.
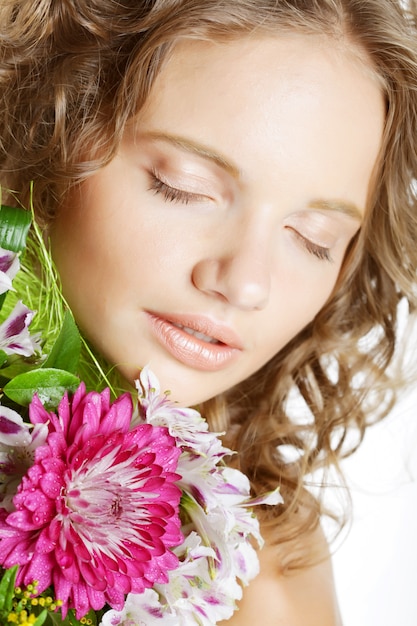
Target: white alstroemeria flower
(193, 594)
(199, 475)
(186, 425)
(140, 609)
(14, 332)
(233, 494)
(13, 430)
(228, 529)
(9, 266)
(217, 556)
(18, 442)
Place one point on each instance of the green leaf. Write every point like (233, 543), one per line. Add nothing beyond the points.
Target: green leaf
(41, 618)
(65, 353)
(50, 385)
(3, 357)
(7, 588)
(14, 227)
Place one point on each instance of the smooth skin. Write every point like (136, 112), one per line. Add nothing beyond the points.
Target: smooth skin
(228, 209)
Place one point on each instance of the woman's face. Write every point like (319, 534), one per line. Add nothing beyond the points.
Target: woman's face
(218, 231)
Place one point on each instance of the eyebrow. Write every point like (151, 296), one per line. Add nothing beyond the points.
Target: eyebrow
(340, 206)
(196, 148)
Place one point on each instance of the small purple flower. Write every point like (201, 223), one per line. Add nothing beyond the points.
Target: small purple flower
(18, 442)
(13, 430)
(9, 266)
(14, 332)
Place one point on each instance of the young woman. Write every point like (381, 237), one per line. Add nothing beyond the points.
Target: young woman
(228, 192)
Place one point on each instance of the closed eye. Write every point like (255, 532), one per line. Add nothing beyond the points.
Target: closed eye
(321, 252)
(172, 194)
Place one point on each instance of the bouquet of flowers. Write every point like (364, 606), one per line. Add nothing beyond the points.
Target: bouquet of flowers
(111, 511)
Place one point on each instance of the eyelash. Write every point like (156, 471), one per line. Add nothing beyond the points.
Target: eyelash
(172, 194)
(322, 253)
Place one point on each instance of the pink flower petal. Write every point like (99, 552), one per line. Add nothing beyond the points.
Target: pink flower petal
(99, 505)
(51, 485)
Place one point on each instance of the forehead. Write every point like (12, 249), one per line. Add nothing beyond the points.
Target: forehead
(217, 72)
(193, 55)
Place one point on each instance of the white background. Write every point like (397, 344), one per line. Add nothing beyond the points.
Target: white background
(376, 566)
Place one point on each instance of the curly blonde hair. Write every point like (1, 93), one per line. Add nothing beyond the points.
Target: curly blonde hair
(72, 73)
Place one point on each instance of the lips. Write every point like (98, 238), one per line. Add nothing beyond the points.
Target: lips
(196, 341)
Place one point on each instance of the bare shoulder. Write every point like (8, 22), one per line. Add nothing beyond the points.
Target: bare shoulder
(305, 597)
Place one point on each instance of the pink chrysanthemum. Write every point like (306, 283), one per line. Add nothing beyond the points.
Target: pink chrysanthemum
(97, 513)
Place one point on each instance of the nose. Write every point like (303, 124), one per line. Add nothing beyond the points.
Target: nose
(239, 273)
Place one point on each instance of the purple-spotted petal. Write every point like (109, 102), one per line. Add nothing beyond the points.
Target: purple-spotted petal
(13, 430)
(9, 266)
(14, 332)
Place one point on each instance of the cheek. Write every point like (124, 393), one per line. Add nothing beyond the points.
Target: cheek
(296, 298)
(307, 281)
(82, 255)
